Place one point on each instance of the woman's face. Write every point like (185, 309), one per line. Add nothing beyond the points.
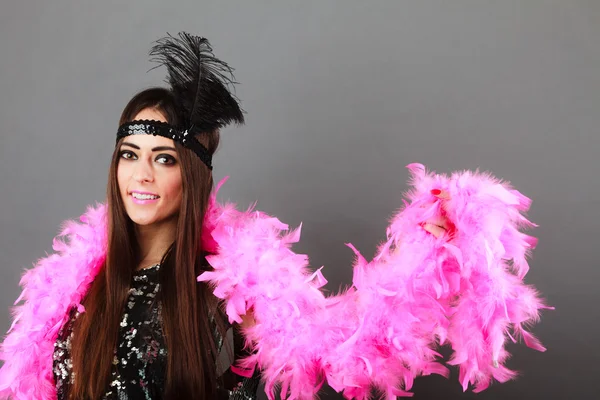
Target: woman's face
(149, 176)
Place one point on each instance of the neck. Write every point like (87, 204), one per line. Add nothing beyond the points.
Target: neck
(154, 240)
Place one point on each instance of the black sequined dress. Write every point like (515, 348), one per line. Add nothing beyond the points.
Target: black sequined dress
(140, 358)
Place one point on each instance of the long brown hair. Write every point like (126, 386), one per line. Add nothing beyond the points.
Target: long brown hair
(186, 305)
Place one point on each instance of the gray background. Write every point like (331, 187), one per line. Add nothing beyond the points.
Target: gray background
(340, 96)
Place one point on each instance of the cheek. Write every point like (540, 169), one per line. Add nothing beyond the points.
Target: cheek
(173, 188)
(122, 178)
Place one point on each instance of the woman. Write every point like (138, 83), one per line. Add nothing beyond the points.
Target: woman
(130, 307)
(149, 330)
(146, 300)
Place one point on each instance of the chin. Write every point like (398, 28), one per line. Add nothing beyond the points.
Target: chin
(147, 219)
(142, 221)
(142, 217)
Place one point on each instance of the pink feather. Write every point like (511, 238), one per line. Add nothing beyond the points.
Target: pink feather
(465, 288)
(58, 282)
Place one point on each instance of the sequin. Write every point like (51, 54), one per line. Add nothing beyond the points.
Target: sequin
(140, 358)
(151, 127)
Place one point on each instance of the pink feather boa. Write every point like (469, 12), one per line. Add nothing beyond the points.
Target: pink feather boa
(419, 291)
(57, 282)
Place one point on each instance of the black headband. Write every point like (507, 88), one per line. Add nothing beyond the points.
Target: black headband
(151, 127)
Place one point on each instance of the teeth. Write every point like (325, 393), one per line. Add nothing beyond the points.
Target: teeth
(144, 196)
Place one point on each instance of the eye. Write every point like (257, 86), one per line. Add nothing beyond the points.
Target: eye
(127, 154)
(165, 159)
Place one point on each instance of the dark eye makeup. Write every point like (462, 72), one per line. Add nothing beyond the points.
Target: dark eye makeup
(168, 159)
(127, 154)
(165, 159)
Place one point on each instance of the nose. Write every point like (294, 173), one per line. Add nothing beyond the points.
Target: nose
(143, 172)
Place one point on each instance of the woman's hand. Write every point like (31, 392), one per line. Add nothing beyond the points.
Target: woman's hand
(439, 225)
(248, 319)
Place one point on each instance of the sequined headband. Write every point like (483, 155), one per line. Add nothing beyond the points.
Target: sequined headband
(150, 127)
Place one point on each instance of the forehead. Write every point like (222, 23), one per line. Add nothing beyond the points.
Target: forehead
(149, 141)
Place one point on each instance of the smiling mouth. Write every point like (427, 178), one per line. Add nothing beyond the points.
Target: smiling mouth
(141, 196)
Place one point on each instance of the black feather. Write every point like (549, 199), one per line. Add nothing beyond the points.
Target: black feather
(199, 81)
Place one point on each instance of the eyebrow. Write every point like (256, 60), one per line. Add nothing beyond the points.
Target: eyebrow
(159, 148)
